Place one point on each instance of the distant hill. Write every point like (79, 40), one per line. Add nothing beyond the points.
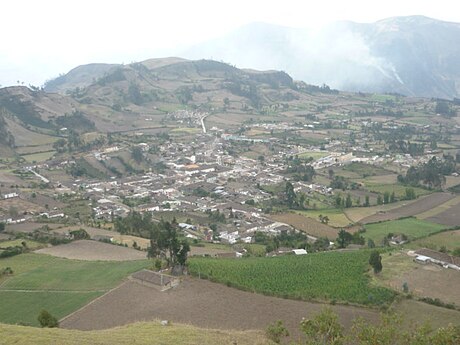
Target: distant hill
(413, 55)
(80, 76)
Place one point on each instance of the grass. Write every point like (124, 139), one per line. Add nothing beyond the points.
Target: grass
(186, 130)
(365, 170)
(29, 244)
(144, 333)
(58, 285)
(39, 157)
(24, 307)
(313, 154)
(336, 217)
(448, 239)
(43, 272)
(399, 190)
(323, 276)
(413, 228)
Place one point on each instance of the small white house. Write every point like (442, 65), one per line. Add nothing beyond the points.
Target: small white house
(299, 251)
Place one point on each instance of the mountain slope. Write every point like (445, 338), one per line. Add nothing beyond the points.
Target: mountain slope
(412, 55)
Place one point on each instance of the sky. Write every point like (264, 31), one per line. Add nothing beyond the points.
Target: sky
(42, 39)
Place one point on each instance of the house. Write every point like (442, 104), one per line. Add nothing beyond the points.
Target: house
(299, 251)
(10, 195)
(447, 261)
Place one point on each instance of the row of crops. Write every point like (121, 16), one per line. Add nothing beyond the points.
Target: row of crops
(331, 276)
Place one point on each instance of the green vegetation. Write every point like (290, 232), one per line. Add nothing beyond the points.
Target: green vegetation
(141, 333)
(57, 285)
(337, 276)
(411, 227)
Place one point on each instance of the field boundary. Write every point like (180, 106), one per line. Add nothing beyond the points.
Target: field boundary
(93, 301)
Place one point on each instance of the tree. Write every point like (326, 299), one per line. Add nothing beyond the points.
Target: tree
(344, 238)
(386, 197)
(348, 202)
(290, 194)
(366, 201)
(324, 328)
(375, 260)
(379, 200)
(136, 153)
(370, 243)
(47, 320)
(2, 227)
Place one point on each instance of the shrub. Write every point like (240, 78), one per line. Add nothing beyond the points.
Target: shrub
(47, 320)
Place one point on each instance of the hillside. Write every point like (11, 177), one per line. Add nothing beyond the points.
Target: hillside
(412, 55)
(143, 333)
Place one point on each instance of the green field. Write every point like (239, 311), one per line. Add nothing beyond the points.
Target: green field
(313, 154)
(29, 244)
(24, 307)
(399, 190)
(411, 227)
(323, 276)
(336, 217)
(39, 157)
(448, 239)
(58, 285)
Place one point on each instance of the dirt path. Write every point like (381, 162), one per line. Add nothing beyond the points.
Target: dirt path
(200, 303)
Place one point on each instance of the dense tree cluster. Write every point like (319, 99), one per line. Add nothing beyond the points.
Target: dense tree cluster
(430, 174)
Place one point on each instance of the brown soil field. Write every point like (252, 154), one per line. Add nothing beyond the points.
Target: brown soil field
(20, 205)
(93, 250)
(423, 204)
(200, 303)
(423, 280)
(305, 224)
(451, 216)
(431, 281)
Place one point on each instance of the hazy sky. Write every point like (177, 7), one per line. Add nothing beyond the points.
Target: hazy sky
(43, 38)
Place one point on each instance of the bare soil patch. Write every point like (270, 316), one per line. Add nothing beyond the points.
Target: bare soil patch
(93, 250)
(423, 204)
(200, 303)
(305, 224)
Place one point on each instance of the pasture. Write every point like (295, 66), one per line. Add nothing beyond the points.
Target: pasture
(93, 251)
(336, 217)
(448, 239)
(411, 227)
(322, 276)
(308, 225)
(56, 284)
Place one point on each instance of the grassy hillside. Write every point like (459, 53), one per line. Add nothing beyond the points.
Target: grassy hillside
(337, 276)
(138, 333)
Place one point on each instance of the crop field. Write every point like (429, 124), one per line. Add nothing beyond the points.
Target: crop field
(399, 190)
(321, 276)
(411, 208)
(309, 226)
(448, 239)
(39, 157)
(93, 251)
(365, 170)
(336, 217)
(201, 303)
(58, 285)
(449, 217)
(411, 227)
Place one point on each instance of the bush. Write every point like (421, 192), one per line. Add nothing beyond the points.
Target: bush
(47, 320)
